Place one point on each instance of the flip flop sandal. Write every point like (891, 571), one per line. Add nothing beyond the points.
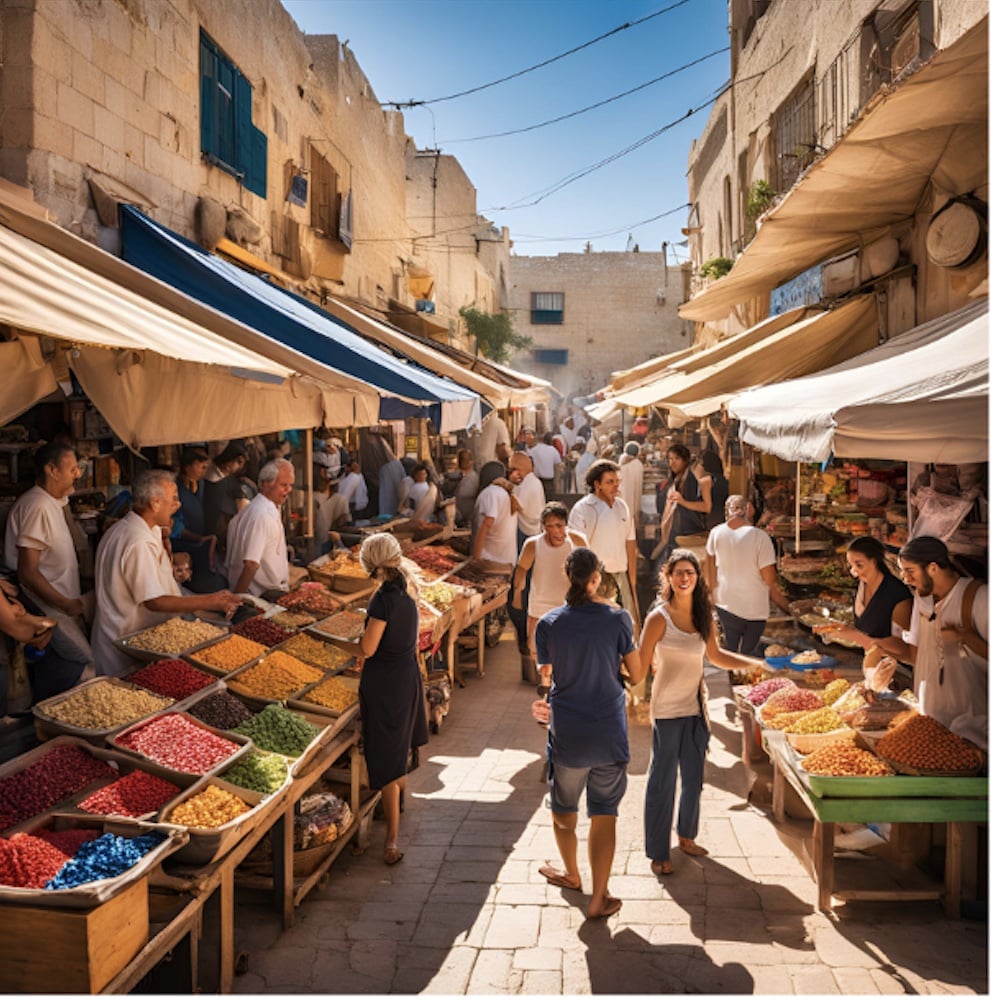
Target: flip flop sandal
(611, 905)
(559, 879)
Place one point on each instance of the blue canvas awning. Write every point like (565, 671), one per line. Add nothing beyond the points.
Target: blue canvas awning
(295, 323)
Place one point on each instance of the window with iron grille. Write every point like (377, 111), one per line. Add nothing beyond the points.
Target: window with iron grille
(547, 307)
(794, 134)
(228, 138)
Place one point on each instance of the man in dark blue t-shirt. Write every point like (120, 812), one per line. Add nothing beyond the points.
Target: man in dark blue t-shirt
(580, 649)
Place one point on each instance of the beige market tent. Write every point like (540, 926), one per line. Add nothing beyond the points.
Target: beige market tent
(931, 128)
(796, 343)
(921, 396)
(159, 366)
(499, 386)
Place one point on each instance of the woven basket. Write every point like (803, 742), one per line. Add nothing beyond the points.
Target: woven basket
(810, 742)
(319, 574)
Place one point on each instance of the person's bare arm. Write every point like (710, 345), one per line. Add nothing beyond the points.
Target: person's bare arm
(709, 572)
(634, 666)
(223, 601)
(726, 660)
(632, 567)
(652, 633)
(31, 577)
(375, 629)
(524, 563)
(770, 575)
(21, 626)
(578, 538)
(480, 537)
(248, 570)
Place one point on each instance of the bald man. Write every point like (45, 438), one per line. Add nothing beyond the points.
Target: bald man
(529, 493)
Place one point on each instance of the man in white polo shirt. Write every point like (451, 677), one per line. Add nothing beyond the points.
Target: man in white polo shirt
(135, 586)
(39, 547)
(257, 560)
(607, 523)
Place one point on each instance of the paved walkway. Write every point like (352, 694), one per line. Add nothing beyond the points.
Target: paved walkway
(467, 912)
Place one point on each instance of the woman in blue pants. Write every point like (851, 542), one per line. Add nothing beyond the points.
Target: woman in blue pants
(677, 636)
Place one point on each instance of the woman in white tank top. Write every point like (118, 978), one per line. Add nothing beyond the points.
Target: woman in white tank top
(544, 557)
(677, 636)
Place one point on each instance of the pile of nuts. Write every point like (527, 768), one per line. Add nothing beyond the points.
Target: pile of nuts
(845, 761)
(210, 808)
(174, 636)
(105, 705)
(277, 677)
(135, 794)
(233, 652)
(316, 653)
(823, 720)
(172, 678)
(332, 694)
(345, 624)
(293, 619)
(923, 744)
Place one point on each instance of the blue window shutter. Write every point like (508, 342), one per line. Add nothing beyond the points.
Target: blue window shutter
(242, 123)
(257, 172)
(208, 98)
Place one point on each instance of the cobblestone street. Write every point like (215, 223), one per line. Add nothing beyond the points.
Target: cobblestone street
(467, 912)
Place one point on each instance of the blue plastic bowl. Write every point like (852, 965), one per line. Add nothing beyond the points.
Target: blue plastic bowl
(821, 664)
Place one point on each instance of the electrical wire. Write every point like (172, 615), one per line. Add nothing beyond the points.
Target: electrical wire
(530, 69)
(591, 107)
(526, 238)
(538, 196)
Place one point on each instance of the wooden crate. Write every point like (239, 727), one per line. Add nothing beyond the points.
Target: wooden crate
(72, 951)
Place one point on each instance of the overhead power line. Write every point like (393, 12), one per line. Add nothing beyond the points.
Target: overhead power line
(539, 196)
(540, 65)
(591, 107)
(526, 238)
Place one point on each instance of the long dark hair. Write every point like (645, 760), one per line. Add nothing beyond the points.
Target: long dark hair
(579, 567)
(872, 549)
(702, 606)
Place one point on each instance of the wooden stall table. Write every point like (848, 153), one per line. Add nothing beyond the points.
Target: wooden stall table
(961, 803)
(191, 889)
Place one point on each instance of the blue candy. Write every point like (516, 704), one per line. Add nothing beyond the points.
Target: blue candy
(104, 857)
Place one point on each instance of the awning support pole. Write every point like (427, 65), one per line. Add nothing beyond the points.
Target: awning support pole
(798, 471)
(308, 505)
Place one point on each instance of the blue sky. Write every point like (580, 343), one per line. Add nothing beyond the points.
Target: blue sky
(427, 49)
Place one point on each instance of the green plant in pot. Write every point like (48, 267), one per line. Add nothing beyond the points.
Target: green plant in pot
(760, 196)
(716, 267)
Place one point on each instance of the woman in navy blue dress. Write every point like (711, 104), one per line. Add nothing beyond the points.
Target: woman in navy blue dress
(391, 692)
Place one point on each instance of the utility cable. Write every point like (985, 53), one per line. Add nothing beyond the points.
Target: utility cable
(591, 107)
(539, 196)
(525, 238)
(530, 69)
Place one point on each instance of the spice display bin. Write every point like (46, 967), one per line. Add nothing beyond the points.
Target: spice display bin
(46, 726)
(125, 644)
(299, 703)
(207, 844)
(243, 741)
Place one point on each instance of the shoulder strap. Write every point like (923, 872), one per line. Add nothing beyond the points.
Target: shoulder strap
(968, 604)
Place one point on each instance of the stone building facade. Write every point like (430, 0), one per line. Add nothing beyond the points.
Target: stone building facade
(801, 74)
(223, 121)
(591, 314)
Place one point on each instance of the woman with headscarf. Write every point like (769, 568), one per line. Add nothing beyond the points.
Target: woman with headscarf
(391, 691)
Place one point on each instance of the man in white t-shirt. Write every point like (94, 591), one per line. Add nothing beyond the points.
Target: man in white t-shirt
(529, 494)
(257, 560)
(495, 523)
(740, 572)
(492, 443)
(353, 488)
(605, 521)
(135, 586)
(632, 479)
(39, 547)
(545, 457)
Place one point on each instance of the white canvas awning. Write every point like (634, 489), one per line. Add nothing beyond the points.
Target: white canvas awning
(781, 347)
(931, 128)
(921, 396)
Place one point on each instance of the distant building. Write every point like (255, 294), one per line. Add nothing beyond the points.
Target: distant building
(591, 314)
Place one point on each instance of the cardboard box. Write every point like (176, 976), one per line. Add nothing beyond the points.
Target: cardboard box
(72, 951)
